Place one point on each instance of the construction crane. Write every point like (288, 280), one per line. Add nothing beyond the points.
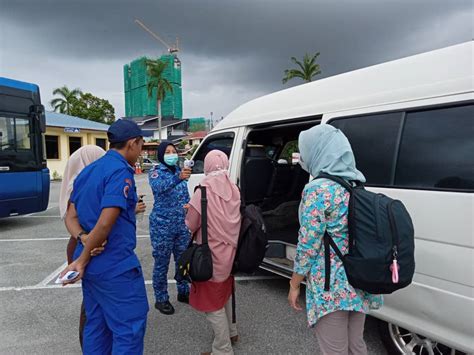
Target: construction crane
(171, 49)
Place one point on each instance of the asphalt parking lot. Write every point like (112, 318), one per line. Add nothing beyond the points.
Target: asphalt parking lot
(39, 317)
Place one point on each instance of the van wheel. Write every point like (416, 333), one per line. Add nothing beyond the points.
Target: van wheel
(398, 340)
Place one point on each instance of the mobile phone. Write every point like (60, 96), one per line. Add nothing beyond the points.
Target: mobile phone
(70, 275)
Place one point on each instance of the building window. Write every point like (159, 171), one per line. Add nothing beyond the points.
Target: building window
(374, 140)
(101, 142)
(52, 147)
(74, 144)
(436, 149)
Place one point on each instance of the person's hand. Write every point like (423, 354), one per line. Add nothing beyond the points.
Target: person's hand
(95, 251)
(186, 206)
(293, 298)
(98, 250)
(185, 174)
(78, 266)
(84, 238)
(140, 208)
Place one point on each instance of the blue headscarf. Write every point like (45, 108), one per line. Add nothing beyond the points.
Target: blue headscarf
(325, 149)
(161, 154)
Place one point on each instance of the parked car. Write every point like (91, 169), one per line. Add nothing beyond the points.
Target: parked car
(411, 126)
(148, 164)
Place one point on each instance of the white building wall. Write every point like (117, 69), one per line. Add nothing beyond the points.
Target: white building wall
(164, 134)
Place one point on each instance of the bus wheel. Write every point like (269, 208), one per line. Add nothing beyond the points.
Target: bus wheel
(398, 340)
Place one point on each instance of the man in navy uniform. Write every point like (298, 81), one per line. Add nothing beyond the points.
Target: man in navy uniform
(103, 200)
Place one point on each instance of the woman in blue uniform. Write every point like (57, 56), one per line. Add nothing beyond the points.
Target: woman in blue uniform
(168, 232)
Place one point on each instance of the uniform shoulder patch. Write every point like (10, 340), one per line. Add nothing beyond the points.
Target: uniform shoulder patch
(154, 174)
(126, 189)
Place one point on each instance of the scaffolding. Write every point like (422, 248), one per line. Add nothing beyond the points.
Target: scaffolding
(136, 79)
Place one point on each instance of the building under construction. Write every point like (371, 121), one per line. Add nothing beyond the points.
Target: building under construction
(137, 101)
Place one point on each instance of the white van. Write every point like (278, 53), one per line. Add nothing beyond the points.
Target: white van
(411, 125)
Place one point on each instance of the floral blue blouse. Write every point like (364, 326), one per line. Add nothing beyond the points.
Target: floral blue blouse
(324, 205)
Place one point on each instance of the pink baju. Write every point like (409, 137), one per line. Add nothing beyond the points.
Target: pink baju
(223, 220)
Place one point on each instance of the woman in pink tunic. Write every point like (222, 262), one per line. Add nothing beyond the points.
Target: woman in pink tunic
(223, 219)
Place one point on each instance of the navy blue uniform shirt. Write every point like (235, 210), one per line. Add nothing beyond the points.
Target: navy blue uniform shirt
(170, 193)
(108, 182)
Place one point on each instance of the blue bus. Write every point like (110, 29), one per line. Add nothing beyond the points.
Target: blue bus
(24, 177)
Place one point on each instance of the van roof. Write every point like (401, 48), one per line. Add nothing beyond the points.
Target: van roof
(439, 72)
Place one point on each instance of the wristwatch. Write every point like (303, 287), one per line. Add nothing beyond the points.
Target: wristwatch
(80, 235)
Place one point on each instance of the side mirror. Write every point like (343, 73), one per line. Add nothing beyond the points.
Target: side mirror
(37, 112)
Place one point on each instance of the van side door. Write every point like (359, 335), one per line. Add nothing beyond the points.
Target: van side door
(229, 142)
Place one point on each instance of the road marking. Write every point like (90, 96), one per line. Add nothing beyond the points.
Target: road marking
(30, 216)
(52, 276)
(147, 282)
(140, 236)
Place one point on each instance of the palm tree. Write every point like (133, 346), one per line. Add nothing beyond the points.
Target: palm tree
(159, 84)
(307, 70)
(64, 102)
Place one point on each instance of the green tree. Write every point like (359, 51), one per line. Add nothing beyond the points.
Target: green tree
(93, 108)
(66, 97)
(288, 150)
(158, 84)
(306, 70)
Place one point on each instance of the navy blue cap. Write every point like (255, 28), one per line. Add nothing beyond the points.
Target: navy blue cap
(123, 130)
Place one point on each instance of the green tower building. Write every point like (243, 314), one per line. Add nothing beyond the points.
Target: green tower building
(137, 102)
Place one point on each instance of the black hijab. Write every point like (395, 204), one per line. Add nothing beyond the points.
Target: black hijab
(161, 154)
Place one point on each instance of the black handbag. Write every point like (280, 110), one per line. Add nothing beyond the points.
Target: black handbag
(195, 264)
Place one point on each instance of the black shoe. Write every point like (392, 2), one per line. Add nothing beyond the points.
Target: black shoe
(165, 307)
(183, 298)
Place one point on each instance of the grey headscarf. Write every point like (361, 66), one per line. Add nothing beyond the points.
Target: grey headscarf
(325, 149)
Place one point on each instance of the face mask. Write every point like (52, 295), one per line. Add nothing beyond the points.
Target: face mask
(171, 159)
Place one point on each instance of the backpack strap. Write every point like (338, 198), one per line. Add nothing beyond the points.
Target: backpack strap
(203, 212)
(337, 179)
(242, 202)
(234, 316)
(329, 242)
(347, 185)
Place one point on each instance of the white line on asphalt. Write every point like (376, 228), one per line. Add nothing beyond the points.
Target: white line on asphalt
(53, 275)
(140, 236)
(40, 216)
(147, 282)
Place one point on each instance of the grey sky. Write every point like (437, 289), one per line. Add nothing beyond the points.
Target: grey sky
(231, 50)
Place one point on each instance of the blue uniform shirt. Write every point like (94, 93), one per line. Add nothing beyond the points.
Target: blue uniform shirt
(108, 182)
(170, 193)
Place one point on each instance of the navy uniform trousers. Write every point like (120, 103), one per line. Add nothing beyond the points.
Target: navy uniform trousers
(167, 237)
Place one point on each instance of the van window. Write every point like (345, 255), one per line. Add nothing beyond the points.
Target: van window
(373, 139)
(437, 149)
(222, 142)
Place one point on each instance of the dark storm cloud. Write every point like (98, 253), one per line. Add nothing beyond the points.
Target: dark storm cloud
(248, 43)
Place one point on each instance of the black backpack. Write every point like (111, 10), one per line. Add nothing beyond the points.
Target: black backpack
(195, 264)
(381, 240)
(253, 241)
